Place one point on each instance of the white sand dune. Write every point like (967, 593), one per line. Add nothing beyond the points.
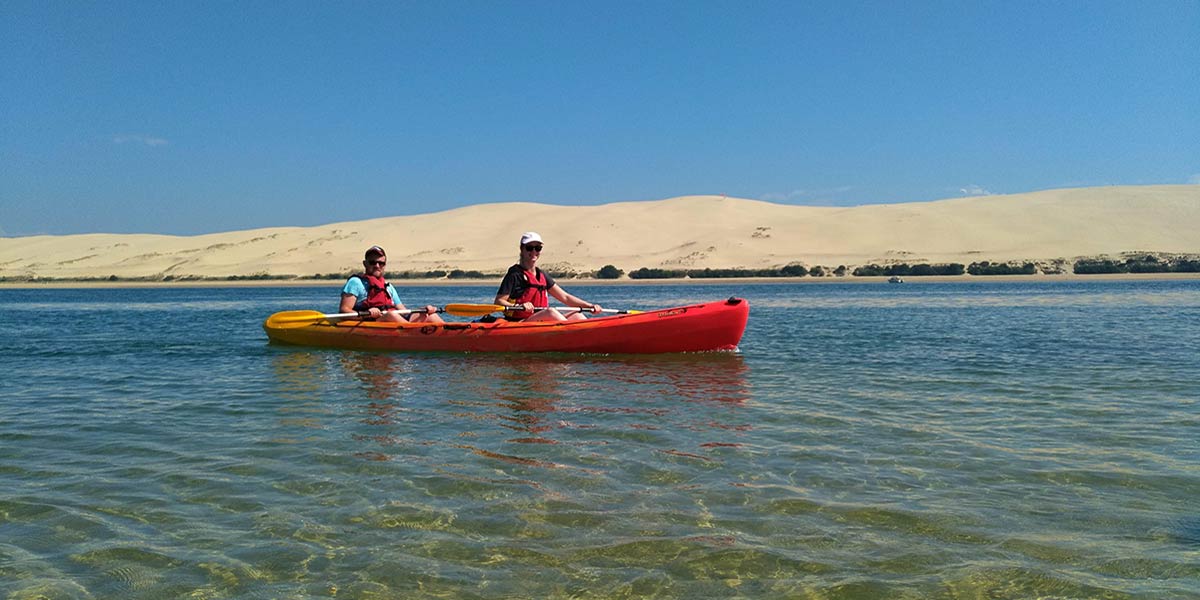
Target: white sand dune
(685, 232)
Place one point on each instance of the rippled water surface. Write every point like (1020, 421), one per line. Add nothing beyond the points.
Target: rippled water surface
(968, 440)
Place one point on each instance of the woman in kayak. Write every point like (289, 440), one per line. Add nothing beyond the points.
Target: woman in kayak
(370, 292)
(528, 288)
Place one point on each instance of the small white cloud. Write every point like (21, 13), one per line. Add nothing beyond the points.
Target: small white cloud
(974, 190)
(783, 196)
(1194, 178)
(808, 197)
(140, 139)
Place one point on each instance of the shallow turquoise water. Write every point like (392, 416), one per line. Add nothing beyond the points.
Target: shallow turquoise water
(969, 440)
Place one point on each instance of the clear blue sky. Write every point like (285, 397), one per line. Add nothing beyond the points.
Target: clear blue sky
(198, 117)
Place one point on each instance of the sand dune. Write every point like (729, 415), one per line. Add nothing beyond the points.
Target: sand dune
(685, 232)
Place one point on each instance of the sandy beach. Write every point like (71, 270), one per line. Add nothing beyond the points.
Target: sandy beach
(692, 232)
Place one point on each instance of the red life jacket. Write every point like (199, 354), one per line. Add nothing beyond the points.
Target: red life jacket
(377, 294)
(534, 291)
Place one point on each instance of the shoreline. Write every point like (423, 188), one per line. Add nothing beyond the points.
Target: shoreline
(399, 283)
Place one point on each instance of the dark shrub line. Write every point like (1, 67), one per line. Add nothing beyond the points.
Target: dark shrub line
(905, 270)
(1140, 264)
(986, 268)
(788, 271)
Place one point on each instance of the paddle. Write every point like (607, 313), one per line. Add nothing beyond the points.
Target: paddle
(603, 310)
(299, 318)
(478, 310)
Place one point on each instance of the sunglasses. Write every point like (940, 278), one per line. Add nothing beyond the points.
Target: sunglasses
(532, 248)
(377, 262)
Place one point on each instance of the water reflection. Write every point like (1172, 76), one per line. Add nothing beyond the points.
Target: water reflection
(530, 390)
(299, 378)
(710, 377)
(595, 416)
(523, 409)
(384, 379)
(297, 374)
(544, 392)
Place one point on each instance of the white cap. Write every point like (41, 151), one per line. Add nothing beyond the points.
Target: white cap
(530, 236)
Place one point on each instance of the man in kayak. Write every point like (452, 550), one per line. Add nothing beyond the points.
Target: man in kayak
(369, 291)
(528, 288)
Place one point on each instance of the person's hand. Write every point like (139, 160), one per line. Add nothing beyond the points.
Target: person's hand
(430, 309)
(527, 306)
(596, 308)
(375, 312)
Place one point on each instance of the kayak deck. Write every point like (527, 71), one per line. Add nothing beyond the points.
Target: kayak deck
(712, 326)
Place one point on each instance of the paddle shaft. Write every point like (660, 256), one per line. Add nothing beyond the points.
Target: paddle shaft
(478, 310)
(575, 308)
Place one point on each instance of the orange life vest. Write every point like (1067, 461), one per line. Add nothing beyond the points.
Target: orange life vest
(534, 291)
(377, 294)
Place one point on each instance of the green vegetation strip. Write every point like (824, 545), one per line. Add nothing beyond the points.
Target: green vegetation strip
(1139, 263)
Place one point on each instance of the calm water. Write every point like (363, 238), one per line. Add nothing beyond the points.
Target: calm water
(972, 440)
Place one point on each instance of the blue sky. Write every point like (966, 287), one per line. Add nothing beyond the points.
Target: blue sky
(198, 117)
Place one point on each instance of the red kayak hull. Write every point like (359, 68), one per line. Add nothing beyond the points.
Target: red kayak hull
(713, 326)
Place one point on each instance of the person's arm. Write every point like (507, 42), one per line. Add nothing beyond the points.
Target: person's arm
(571, 300)
(351, 293)
(504, 294)
(430, 309)
(395, 297)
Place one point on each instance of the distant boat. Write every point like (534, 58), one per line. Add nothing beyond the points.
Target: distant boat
(895, 279)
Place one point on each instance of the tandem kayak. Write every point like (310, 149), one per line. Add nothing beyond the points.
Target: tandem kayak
(697, 328)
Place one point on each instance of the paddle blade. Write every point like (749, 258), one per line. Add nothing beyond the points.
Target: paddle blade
(294, 318)
(472, 310)
(302, 318)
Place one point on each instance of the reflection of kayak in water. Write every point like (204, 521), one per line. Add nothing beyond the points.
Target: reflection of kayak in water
(697, 328)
